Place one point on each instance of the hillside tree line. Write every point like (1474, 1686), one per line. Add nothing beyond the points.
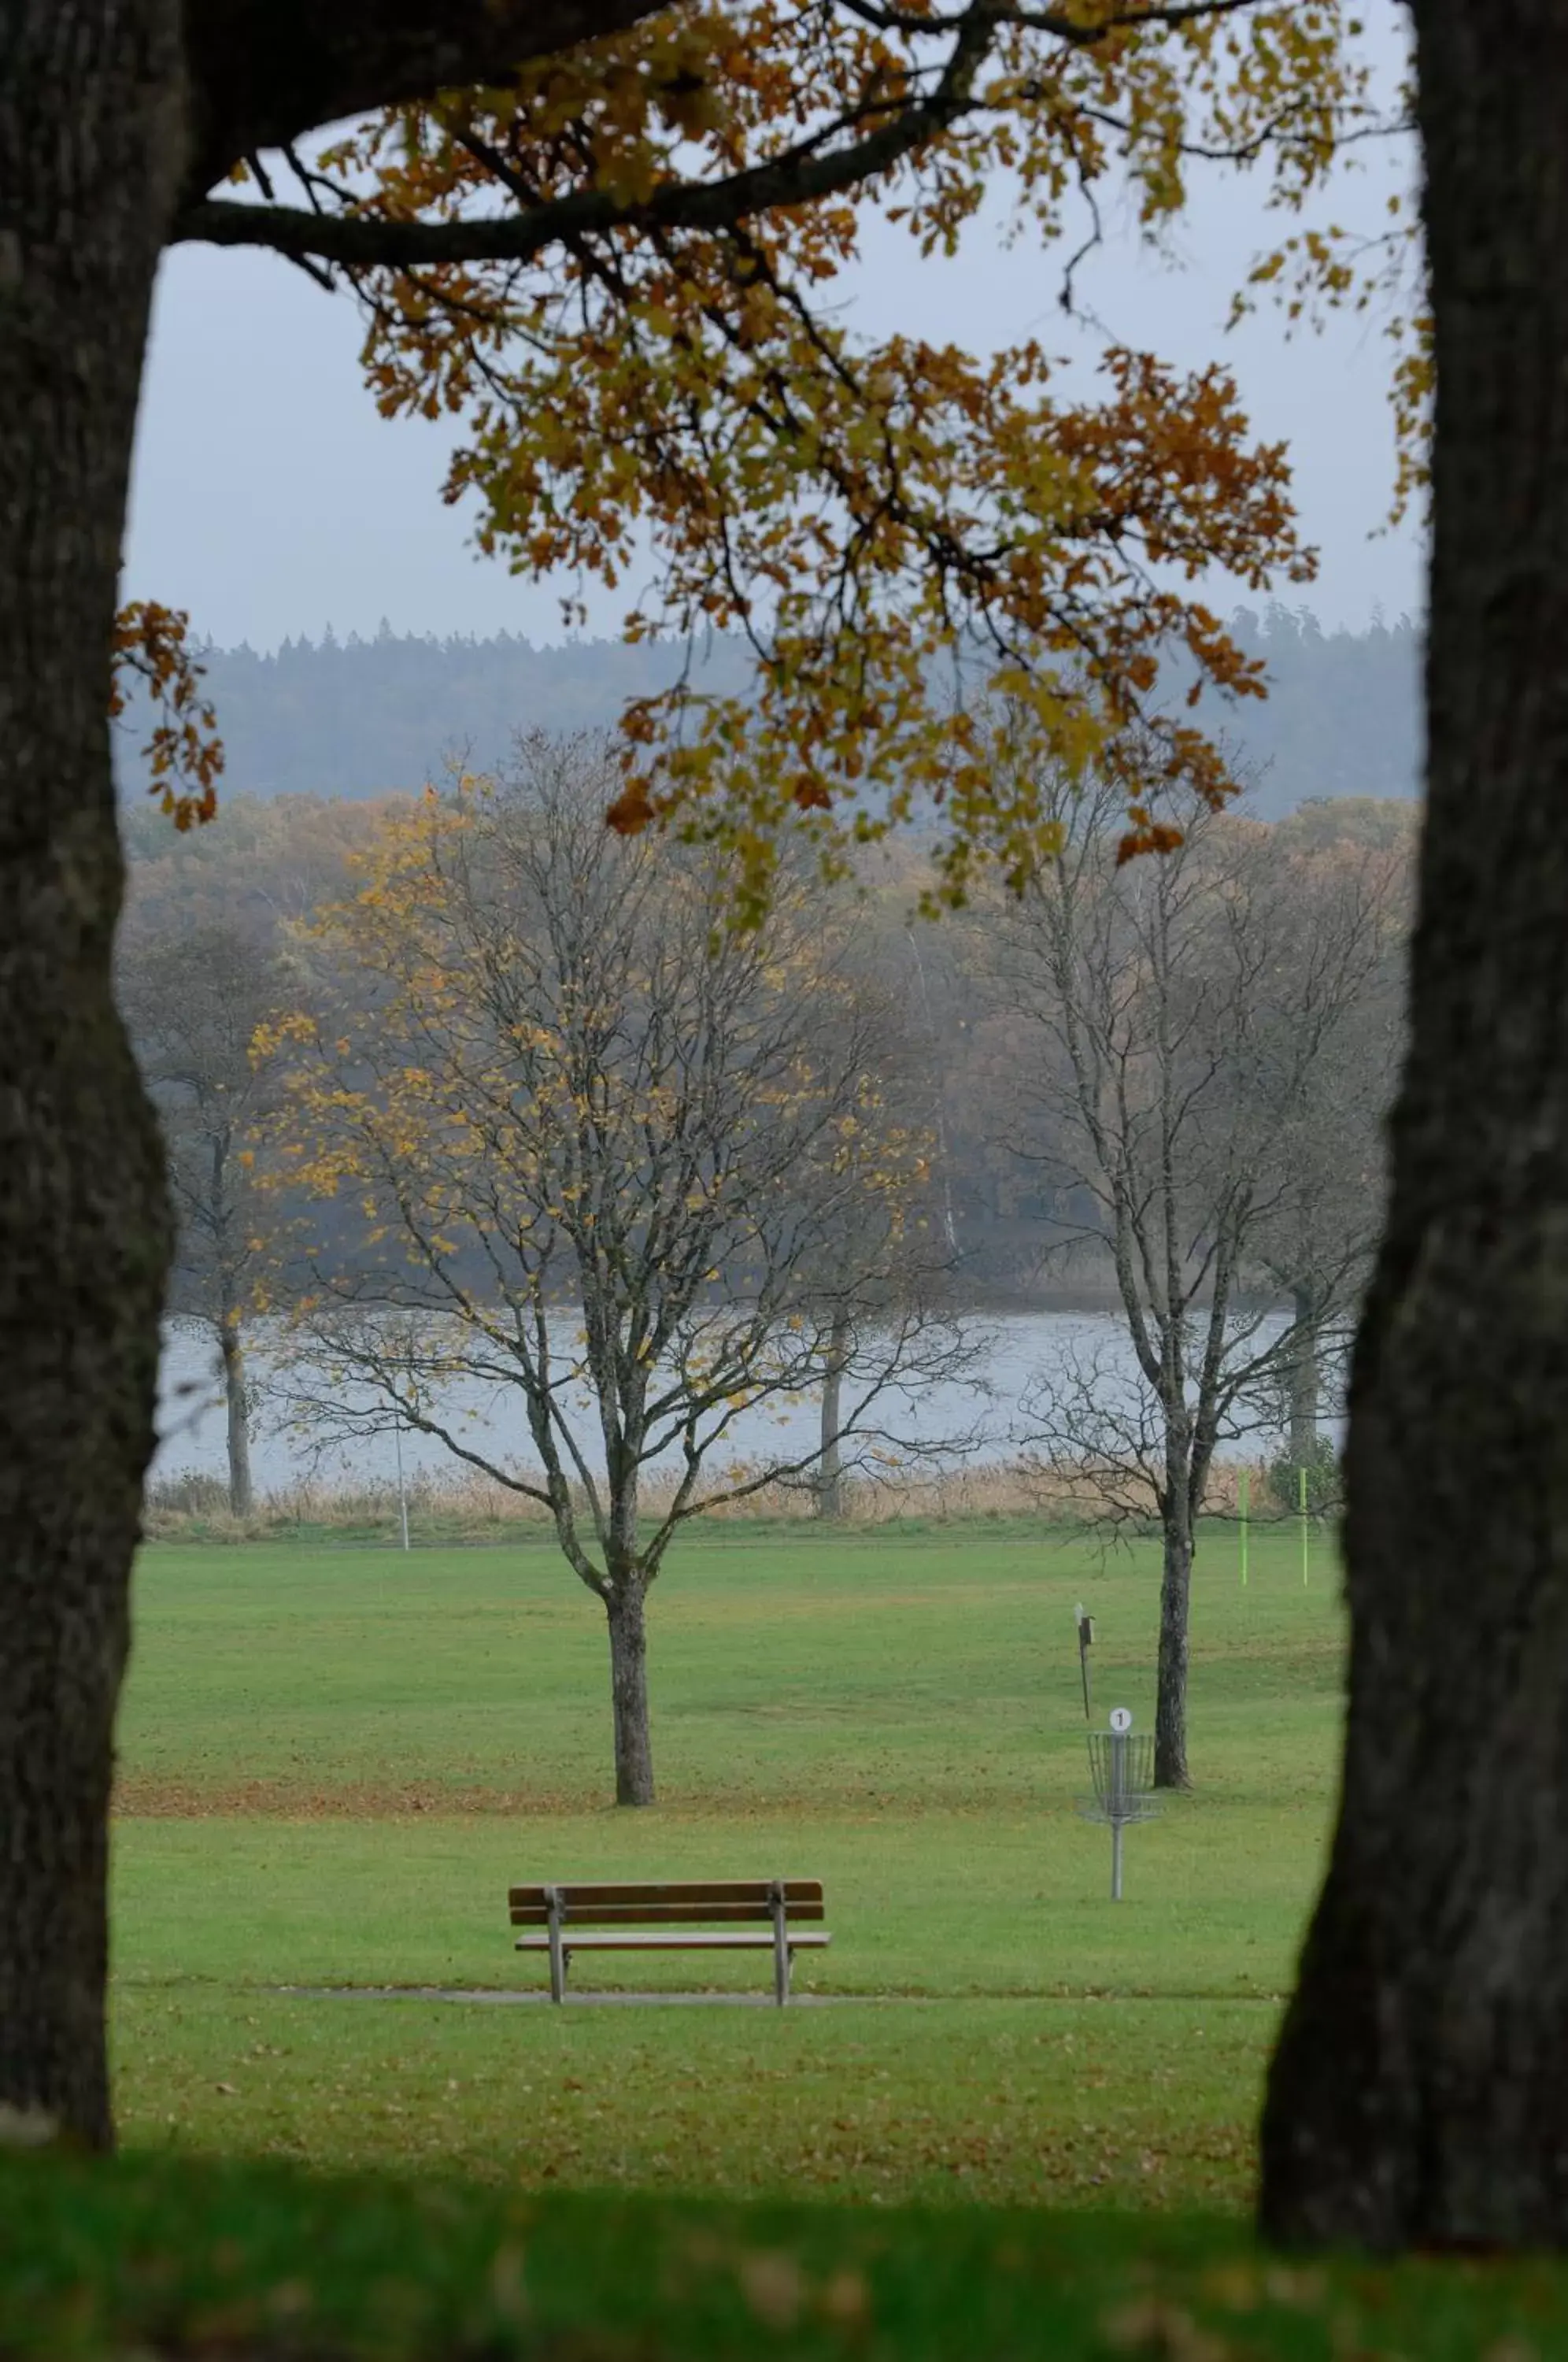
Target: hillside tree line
(355, 716)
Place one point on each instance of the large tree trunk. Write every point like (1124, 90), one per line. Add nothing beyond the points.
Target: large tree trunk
(627, 1610)
(237, 1402)
(1419, 2093)
(1170, 1696)
(90, 136)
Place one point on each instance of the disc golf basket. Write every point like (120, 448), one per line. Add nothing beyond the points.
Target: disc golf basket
(1122, 1765)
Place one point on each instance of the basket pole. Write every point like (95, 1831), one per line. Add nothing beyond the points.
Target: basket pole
(1305, 1537)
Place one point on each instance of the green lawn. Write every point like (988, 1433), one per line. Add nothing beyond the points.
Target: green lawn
(880, 1673)
(333, 1763)
(1013, 2123)
(152, 2259)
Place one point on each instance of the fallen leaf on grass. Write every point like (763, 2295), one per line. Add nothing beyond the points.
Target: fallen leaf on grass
(845, 2301)
(1155, 2332)
(773, 2286)
(507, 2292)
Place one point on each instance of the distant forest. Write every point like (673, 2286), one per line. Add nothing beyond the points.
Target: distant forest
(272, 860)
(357, 718)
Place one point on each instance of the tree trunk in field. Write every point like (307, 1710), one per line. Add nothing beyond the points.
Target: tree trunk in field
(90, 143)
(626, 1609)
(1170, 1696)
(830, 1467)
(1419, 2092)
(237, 1401)
(1305, 1384)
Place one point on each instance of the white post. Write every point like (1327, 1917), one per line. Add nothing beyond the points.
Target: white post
(401, 1495)
(1117, 1801)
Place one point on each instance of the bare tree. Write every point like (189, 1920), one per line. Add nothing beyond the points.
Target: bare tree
(609, 1152)
(193, 1002)
(866, 1274)
(1190, 1013)
(1330, 1147)
(1331, 1157)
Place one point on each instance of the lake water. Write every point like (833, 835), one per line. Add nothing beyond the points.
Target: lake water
(1020, 1349)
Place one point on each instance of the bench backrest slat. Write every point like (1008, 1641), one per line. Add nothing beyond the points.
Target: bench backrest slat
(659, 1914)
(683, 1903)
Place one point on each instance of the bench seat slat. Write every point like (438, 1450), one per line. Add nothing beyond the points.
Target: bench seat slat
(660, 1914)
(624, 1941)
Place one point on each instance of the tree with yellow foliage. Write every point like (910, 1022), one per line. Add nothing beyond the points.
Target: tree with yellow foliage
(623, 1169)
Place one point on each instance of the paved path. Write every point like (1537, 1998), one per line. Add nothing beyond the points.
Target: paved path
(507, 1996)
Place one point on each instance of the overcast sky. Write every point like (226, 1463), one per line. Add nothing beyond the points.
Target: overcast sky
(271, 500)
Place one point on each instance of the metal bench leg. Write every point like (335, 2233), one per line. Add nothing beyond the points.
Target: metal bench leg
(558, 1952)
(783, 1954)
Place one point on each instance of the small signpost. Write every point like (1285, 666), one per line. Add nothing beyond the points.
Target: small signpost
(1085, 1642)
(1122, 1766)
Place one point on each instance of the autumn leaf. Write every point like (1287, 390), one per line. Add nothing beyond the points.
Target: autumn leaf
(184, 754)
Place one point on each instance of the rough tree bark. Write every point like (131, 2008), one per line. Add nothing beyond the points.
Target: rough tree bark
(236, 1401)
(1420, 2094)
(626, 1606)
(90, 152)
(260, 74)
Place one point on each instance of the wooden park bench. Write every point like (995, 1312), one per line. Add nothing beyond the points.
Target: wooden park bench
(721, 1915)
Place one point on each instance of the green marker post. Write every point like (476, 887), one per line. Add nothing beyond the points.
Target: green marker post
(1301, 1496)
(1241, 1498)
